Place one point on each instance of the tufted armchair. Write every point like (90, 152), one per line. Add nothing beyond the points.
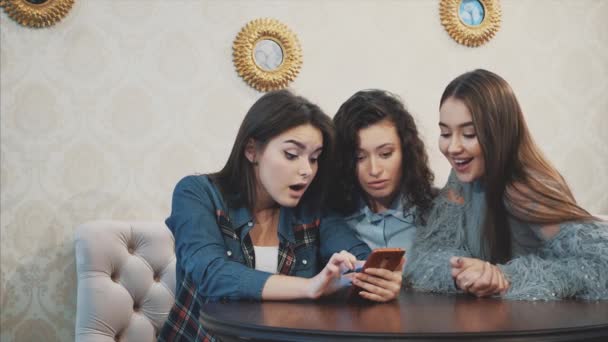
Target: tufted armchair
(126, 280)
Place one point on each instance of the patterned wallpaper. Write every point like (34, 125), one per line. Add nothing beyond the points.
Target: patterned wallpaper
(102, 113)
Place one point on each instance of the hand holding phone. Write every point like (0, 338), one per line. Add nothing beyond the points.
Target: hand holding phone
(382, 258)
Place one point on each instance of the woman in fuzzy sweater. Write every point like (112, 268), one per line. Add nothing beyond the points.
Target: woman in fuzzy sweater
(506, 224)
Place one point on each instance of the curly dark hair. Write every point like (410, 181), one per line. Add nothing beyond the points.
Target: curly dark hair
(366, 108)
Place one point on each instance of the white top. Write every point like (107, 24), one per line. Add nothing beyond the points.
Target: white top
(266, 258)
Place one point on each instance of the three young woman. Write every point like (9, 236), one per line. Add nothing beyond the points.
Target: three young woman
(506, 223)
(255, 230)
(383, 184)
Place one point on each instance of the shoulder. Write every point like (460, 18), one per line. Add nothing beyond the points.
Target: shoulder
(453, 192)
(199, 188)
(195, 183)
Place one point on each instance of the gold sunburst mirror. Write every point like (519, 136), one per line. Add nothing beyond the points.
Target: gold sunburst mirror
(267, 54)
(470, 22)
(36, 13)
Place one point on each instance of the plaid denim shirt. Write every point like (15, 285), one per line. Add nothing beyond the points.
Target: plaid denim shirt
(215, 257)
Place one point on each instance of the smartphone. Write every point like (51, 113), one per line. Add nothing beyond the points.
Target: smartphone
(387, 258)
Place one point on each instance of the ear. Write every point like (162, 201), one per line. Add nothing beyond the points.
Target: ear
(250, 151)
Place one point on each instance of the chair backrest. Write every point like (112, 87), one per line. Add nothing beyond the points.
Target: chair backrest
(126, 280)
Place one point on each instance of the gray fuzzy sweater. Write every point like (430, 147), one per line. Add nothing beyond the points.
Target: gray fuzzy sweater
(571, 263)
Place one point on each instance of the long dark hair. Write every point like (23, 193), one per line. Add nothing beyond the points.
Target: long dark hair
(271, 115)
(518, 179)
(366, 108)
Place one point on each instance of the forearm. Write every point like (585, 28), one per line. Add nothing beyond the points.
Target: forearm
(428, 261)
(573, 264)
(431, 271)
(281, 287)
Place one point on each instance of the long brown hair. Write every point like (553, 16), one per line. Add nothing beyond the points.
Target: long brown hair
(518, 179)
(271, 115)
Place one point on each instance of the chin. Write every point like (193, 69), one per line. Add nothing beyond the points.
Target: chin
(467, 177)
(289, 202)
(380, 195)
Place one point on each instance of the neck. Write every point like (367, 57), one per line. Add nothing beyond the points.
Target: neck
(265, 215)
(379, 205)
(265, 229)
(263, 200)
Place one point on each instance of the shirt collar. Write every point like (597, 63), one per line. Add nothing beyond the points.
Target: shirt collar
(242, 216)
(286, 222)
(395, 210)
(239, 216)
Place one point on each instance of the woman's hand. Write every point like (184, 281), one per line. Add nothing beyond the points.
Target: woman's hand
(478, 277)
(328, 280)
(378, 284)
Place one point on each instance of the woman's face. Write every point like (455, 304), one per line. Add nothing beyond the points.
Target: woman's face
(379, 159)
(458, 140)
(286, 166)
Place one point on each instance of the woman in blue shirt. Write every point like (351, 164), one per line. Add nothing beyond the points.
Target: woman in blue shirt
(383, 185)
(255, 231)
(506, 223)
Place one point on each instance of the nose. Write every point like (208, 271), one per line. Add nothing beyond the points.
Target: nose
(375, 169)
(305, 169)
(455, 145)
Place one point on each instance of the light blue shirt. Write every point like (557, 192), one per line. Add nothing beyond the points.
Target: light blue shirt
(390, 228)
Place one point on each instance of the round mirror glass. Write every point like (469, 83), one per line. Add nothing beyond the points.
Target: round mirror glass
(36, 2)
(268, 54)
(471, 12)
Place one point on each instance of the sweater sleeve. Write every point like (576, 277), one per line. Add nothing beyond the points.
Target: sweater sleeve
(574, 263)
(428, 261)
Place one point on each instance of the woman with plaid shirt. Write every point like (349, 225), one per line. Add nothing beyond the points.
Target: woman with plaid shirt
(255, 229)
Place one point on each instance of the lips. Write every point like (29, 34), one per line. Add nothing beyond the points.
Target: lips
(377, 185)
(298, 189)
(461, 164)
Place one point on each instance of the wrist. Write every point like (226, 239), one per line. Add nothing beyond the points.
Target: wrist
(309, 290)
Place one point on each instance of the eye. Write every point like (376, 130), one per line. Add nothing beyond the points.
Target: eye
(386, 155)
(290, 156)
(360, 157)
(470, 135)
(445, 135)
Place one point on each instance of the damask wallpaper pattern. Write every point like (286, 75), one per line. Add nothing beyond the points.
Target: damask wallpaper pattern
(101, 114)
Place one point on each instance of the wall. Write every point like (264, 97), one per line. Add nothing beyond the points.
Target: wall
(102, 113)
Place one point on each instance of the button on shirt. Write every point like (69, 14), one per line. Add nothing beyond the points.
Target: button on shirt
(390, 228)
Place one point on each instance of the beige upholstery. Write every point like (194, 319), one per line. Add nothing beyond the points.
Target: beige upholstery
(126, 280)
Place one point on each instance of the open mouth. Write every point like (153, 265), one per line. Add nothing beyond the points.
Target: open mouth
(461, 163)
(297, 187)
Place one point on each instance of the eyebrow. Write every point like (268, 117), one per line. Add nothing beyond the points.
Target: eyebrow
(380, 146)
(300, 145)
(466, 124)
